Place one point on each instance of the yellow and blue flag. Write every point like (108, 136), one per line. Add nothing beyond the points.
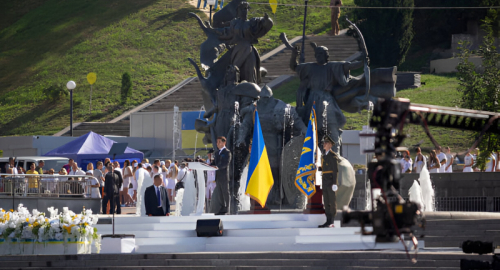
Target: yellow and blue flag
(305, 180)
(260, 178)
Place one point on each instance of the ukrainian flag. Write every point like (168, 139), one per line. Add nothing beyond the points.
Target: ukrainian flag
(305, 179)
(260, 177)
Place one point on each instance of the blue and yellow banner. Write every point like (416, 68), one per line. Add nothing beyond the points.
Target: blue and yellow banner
(260, 178)
(305, 180)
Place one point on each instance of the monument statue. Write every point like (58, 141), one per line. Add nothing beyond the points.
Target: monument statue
(329, 85)
(237, 35)
(276, 118)
(224, 106)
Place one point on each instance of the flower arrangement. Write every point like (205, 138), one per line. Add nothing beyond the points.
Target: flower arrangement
(66, 226)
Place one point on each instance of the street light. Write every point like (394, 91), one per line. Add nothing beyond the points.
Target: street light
(302, 58)
(71, 85)
(211, 3)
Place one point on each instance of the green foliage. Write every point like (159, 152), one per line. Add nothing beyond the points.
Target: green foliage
(480, 86)
(55, 92)
(388, 33)
(47, 42)
(126, 88)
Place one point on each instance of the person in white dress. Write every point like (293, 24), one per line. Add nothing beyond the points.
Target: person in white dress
(144, 180)
(442, 159)
(420, 161)
(93, 183)
(164, 173)
(128, 177)
(468, 162)
(449, 160)
(434, 163)
(172, 176)
(490, 163)
(134, 181)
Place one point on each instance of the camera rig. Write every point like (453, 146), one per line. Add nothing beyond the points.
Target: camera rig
(393, 216)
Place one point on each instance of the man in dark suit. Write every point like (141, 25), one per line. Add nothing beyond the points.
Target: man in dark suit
(112, 183)
(220, 197)
(156, 199)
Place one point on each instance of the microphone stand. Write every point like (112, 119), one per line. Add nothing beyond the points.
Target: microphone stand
(236, 120)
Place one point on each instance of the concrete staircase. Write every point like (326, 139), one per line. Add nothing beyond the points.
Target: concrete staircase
(186, 95)
(345, 260)
(452, 233)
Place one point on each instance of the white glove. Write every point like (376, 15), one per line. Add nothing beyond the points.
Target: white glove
(334, 187)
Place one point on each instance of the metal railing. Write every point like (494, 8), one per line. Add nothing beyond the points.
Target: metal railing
(46, 185)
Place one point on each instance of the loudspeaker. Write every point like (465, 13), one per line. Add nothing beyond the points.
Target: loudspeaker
(209, 227)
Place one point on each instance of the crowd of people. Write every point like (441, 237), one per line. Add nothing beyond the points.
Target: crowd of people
(124, 179)
(440, 160)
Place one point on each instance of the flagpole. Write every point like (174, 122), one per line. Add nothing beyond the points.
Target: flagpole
(232, 198)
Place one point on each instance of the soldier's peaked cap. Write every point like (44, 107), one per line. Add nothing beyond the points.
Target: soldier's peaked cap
(327, 138)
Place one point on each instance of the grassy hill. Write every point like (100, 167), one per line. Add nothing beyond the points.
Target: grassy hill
(438, 90)
(46, 43)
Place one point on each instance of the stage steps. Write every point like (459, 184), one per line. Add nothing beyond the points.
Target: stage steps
(242, 233)
(453, 232)
(324, 260)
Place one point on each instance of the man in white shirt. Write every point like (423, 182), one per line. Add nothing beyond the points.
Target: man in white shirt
(75, 170)
(12, 163)
(442, 159)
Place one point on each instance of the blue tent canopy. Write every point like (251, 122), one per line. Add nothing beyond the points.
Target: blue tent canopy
(92, 146)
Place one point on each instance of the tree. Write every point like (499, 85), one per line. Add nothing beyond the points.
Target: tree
(388, 32)
(126, 87)
(480, 86)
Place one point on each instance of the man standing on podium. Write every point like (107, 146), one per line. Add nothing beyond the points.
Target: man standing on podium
(329, 168)
(220, 198)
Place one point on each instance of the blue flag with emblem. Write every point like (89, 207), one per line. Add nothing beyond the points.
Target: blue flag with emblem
(305, 179)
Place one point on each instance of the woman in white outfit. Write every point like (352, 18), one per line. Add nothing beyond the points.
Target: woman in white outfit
(434, 163)
(420, 161)
(128, 177)
(134, 181)
(468, 162)
(94, 184)
(164, 173)
(172, 176)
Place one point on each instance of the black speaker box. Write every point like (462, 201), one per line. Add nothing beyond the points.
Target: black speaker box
(209, 227)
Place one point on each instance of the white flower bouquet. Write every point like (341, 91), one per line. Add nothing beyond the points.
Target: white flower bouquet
(65, 227)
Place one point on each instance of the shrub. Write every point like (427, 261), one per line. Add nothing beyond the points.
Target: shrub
(126, 89)
(55, 92)
(388, 32)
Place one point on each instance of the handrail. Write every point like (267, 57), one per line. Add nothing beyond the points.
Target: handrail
(46, 185)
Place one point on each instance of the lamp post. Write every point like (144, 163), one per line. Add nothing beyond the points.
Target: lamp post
(211, 3)
(71, 85)
(302, 58)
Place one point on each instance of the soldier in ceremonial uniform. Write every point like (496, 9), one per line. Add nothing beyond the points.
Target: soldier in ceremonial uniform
(329, 168)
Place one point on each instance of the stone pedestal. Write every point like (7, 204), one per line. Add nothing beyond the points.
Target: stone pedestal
(118, 243)
(315, 203)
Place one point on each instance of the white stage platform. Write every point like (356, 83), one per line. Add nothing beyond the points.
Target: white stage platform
(242, 233)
